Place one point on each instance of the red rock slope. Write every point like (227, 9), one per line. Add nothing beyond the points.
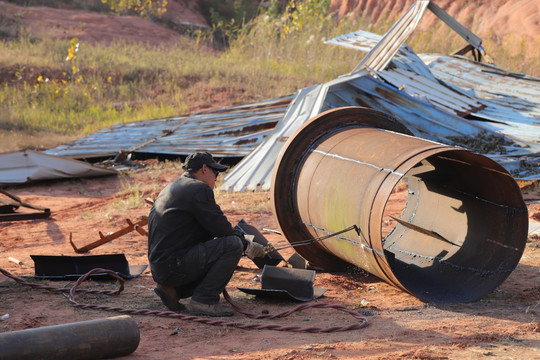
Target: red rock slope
(496, 18)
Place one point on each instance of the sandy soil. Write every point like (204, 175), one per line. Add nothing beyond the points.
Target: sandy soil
(504, 324)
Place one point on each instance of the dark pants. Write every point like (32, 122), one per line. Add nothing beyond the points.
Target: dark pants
(205, 270)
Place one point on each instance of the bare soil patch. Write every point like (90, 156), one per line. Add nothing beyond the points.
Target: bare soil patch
(91, 27)
(502, 324)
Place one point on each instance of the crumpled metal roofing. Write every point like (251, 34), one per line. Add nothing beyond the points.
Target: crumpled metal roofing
(254, 171)
(384, 51)
(448, 99)
(227, 132)
(506, 102)
(19, 167)
(361, 89)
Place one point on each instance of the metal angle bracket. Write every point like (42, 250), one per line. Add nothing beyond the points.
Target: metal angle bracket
(137, 226)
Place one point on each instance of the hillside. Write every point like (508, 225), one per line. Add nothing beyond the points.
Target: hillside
(91, 27)
(487, 18)
(496, 19)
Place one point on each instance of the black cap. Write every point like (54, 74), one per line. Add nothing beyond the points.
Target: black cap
(196, 160)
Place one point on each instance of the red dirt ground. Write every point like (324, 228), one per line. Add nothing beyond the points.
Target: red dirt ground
(504, 324)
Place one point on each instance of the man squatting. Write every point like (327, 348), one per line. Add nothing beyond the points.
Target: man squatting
(193, 249)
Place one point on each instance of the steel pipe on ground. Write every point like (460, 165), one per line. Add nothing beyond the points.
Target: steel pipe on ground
(92, 339)
(460, 235)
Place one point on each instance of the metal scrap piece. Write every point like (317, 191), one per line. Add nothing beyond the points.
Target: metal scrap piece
(138, 226)
(9, 207)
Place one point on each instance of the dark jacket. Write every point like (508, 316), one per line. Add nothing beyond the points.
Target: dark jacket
(184, 214)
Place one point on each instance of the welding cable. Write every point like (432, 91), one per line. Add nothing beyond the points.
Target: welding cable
(316, 240)
(362, 321)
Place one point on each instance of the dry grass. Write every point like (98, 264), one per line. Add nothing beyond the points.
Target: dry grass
(16, 140)
(43, 103)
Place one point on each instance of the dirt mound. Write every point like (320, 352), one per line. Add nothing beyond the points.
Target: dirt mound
(91, 27)
(521, 18)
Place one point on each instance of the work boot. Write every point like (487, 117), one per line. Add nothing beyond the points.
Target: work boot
(198, 308)
(167, 294)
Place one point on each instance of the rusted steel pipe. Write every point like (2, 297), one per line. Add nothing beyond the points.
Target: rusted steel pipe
(92, 339)
(461, 233)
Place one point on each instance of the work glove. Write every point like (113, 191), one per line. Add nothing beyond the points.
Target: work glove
(253, 249)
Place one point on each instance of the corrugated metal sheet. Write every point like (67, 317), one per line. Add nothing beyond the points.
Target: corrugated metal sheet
(438, 95)
(405, 58)
(227, 132)
(495, 99)
(516, 118)
(20, 167)
(511, 97)
(423, 119)
(385, 50)
(254, 171)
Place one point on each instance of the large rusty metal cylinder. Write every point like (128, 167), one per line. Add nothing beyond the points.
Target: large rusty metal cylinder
(92, 339)
(460, 235)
